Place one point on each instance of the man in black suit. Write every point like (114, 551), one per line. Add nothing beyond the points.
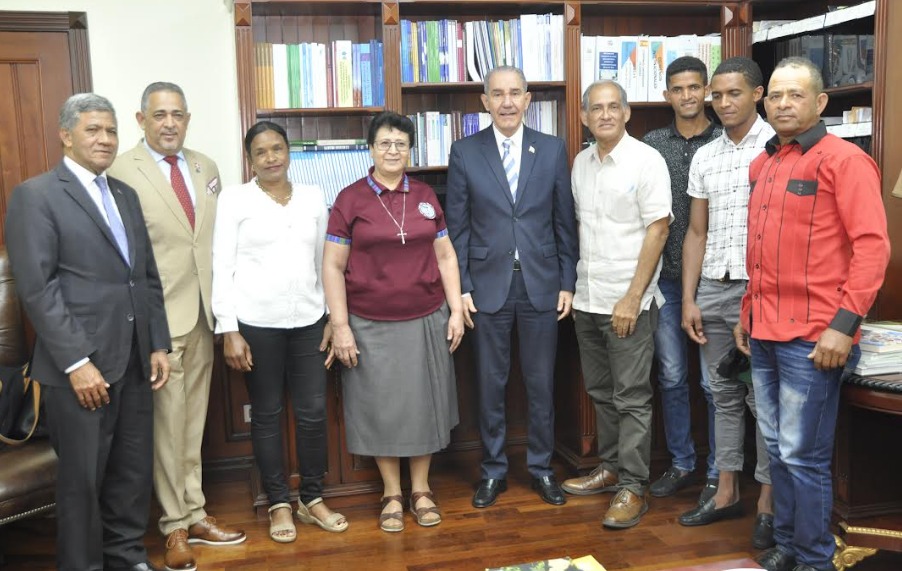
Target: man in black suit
(86, 275)
(510, 215)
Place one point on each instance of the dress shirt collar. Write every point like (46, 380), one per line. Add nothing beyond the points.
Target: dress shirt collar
(516, 139)
(751, 136)
(806, 140)
(619, 153)
(675, 133)
(379, 188)
(84, 176)
(158, 158)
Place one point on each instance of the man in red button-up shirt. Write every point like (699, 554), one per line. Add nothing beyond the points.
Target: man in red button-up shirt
(817, 253)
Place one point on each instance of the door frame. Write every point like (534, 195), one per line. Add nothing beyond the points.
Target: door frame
(75, 24)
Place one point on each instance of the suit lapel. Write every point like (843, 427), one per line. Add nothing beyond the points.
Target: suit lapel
(490, 152)
(527, 160)
(199, 181)
(79, 194)
(151, 171)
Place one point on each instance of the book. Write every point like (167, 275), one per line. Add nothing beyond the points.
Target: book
(847, 65)
(657, 67)
(876, 339)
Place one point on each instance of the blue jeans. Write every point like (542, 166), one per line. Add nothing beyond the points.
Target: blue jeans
(797, 407)
(672, 354)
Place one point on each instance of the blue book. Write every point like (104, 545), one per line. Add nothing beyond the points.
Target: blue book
(406, 70)
(376, 55)
(423, 43)
(366, 75)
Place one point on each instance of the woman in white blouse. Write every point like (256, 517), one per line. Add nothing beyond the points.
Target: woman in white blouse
(269, 305)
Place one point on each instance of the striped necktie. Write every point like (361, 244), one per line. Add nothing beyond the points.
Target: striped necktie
(113, 219)
(510, 167)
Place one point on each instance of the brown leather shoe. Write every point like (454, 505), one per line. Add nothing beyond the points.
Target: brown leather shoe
(626, 510)
(206, 531)
(598, 481)
(178, 553)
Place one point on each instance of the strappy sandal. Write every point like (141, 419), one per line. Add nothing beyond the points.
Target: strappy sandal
(335, 522)
(420, 513)
(397, 516)
(281, 532)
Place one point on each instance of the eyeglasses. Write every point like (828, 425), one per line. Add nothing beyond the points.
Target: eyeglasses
(384, 146)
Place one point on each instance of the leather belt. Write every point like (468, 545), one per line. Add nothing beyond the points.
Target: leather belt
(727, 279)
(517, 265)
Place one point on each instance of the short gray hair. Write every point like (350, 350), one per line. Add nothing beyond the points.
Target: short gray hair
(161, 86)
(83, 103)
(602, 83)
(502, 68)
(817, 79)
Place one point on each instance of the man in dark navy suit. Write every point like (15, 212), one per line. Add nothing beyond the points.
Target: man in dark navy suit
(510, 215)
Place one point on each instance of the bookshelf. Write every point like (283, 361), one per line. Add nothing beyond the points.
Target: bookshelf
(364, 20)
(831, 39)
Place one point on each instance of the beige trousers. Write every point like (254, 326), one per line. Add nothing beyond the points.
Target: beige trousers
(180, 411)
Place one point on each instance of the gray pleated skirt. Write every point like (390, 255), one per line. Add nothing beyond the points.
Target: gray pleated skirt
(401, 398)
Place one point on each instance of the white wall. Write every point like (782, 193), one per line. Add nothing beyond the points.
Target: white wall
(188, 42)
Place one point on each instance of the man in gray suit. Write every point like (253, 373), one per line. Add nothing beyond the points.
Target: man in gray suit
(86, 275)
(510, 215)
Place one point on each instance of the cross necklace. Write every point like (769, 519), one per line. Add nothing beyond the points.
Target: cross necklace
(400, 226)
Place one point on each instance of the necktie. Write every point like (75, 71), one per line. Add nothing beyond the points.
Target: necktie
(181, 189)
(116, 226)
(510, 167)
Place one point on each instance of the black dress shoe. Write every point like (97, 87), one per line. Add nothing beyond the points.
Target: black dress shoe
(763, 536)
(670, 483)
(709, 513)
(708, 491)
(549, 490)
(488, 491)
(775, 559)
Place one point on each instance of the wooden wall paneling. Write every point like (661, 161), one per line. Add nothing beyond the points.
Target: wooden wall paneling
(887, 144)
(246, 62)
(736, 23)
(391, 46)
(227, 452)
(79, 53)
(570, 123)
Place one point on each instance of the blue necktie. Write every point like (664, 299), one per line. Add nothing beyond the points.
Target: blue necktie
(510, 168)
(113, 219)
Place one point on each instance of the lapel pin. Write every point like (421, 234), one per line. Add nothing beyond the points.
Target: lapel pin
(532, 149)
(196, 167)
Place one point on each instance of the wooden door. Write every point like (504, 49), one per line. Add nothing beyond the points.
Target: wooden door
(43, 60)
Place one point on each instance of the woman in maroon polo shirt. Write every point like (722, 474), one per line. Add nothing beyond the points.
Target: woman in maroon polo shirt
(393, 288)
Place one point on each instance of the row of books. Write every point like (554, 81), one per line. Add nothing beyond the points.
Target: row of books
(436, 131)
(639, 63)
(844, 59)
(331, 165)
(312, 75)
(881, 348)
(453, 51)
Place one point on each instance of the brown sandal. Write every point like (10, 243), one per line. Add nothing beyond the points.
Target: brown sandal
(386, 517)
(420, 513)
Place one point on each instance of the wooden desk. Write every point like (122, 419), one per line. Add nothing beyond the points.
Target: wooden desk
(867, 487)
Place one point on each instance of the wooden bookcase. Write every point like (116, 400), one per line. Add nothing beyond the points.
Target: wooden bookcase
(362, 20)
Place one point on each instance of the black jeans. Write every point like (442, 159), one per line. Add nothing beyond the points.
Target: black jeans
(288, 357)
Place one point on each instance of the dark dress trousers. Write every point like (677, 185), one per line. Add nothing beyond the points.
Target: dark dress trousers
(84, 300)
(487, 227)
